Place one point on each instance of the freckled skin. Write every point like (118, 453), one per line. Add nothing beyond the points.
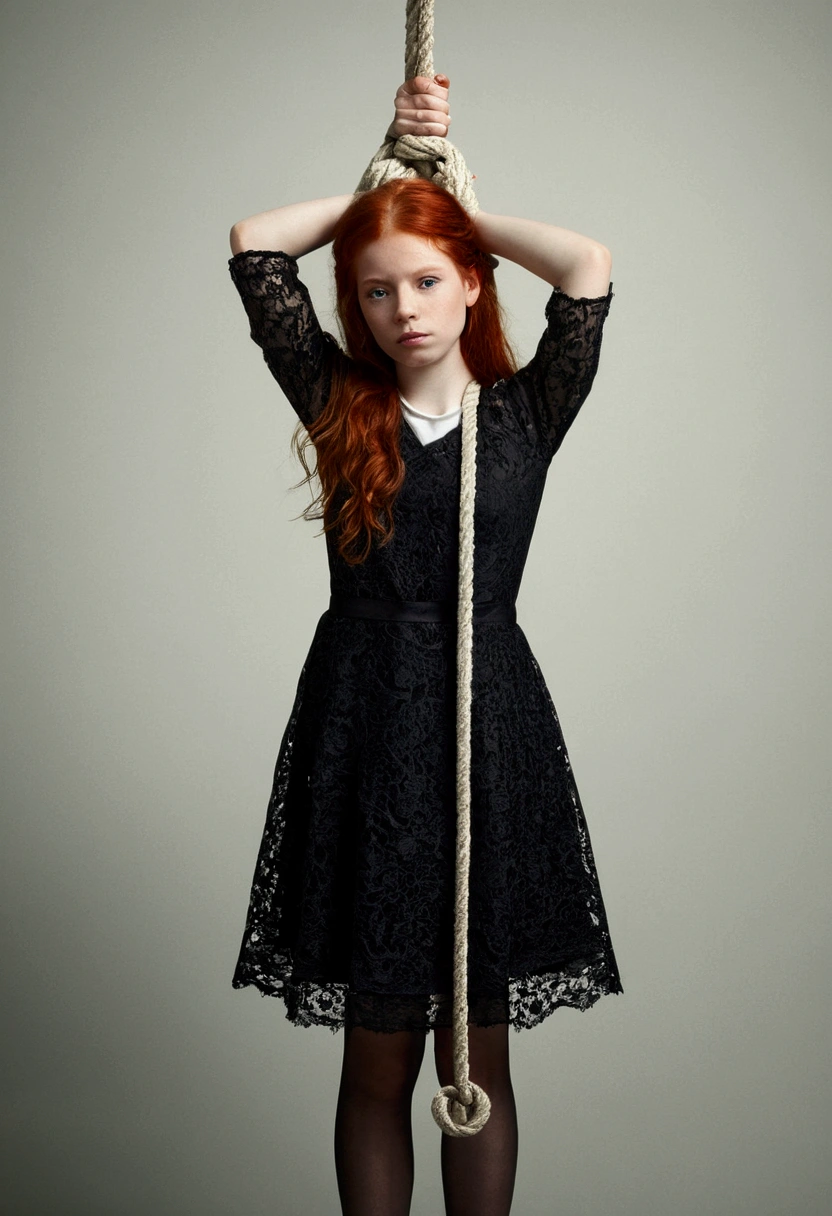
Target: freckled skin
(413, 286)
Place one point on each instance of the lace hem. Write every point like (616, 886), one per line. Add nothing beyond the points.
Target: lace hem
(529, 999)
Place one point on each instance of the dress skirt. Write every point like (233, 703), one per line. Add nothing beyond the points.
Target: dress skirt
(351, 913)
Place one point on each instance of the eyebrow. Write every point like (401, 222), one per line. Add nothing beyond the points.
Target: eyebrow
(418, 274)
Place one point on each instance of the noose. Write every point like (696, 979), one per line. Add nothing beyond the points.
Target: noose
(428, 156)
(461, 1109)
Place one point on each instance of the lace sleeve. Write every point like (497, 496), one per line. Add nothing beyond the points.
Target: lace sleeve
(300, 355)
(557, 380)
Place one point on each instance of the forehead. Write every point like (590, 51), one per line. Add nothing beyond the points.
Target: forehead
(399, 254)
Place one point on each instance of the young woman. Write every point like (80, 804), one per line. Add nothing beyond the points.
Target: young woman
(351, 914)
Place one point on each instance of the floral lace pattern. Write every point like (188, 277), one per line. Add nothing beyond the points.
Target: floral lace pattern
(350, 919)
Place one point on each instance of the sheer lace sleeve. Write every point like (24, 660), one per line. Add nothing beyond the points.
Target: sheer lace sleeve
(300, 355)
(555, 383)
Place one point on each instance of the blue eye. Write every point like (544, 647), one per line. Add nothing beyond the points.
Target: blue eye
(373, 295)
(429, 280)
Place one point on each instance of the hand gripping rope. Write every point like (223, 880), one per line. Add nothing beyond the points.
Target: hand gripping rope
(461, 1109)
(428, 156)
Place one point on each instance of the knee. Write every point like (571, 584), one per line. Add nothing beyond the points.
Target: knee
(382, 1067)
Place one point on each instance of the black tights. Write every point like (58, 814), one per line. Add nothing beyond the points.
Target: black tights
(373, 1138)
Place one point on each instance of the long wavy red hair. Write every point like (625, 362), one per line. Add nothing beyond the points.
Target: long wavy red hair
(356, 436)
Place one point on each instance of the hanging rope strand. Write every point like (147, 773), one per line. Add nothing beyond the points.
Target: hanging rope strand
(462, 1109)
(418, 48)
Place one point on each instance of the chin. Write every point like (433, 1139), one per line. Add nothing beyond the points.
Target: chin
(411, 354)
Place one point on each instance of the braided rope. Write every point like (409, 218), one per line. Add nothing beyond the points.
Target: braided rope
(428, 156)
(462, 1109)
(418, 39)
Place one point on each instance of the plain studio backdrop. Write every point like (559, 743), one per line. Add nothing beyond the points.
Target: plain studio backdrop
(159, 596)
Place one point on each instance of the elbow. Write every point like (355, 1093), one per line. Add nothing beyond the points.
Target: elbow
(598, 268)
(237, 239)
(599, 256)
(589, 275)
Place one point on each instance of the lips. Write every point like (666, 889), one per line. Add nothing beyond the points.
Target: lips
(411, 336)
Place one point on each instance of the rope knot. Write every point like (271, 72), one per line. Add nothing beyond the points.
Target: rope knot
(428, 156)
(456, 1117)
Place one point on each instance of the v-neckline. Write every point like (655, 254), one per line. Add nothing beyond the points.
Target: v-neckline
(416, 442)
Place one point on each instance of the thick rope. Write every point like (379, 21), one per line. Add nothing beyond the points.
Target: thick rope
(462, 1109)
(428, 156)
(418, 39)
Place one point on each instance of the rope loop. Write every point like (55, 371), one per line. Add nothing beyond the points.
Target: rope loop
(457, 1118)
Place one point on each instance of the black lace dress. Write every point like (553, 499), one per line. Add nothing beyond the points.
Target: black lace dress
(351, 912)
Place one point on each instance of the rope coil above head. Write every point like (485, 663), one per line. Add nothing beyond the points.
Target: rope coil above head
(463, 1108)
(428, 156)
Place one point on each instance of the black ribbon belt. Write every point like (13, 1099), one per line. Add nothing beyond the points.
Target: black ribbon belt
(443, 611)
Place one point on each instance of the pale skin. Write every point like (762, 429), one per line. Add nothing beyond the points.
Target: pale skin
(403, 297)
(406, 286)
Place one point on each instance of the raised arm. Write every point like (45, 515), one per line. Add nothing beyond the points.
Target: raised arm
(295, 229)
(576, 264)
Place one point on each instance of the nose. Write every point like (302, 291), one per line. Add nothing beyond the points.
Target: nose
(406, 305)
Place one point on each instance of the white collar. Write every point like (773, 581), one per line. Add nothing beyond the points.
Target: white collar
(430, 417)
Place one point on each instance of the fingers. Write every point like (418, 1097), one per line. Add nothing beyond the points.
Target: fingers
(421, 99)
(437, 85)
(422, 106)
(420, 103)
(421, 122)
(412, 126)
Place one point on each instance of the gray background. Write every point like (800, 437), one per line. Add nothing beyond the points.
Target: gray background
(159, 599)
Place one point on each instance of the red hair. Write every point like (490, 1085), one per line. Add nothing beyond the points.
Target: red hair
(356, 436)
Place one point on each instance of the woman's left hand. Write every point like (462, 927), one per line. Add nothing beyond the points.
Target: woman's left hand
(422, 107)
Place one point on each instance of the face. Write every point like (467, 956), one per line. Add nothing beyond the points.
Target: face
(406, 286)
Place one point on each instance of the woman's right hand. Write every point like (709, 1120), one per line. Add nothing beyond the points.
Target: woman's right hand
(422, 107)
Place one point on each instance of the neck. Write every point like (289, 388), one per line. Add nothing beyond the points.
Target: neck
(436, 389)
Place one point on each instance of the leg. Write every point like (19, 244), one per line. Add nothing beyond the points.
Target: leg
(373, 1137)
(478, 1171)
